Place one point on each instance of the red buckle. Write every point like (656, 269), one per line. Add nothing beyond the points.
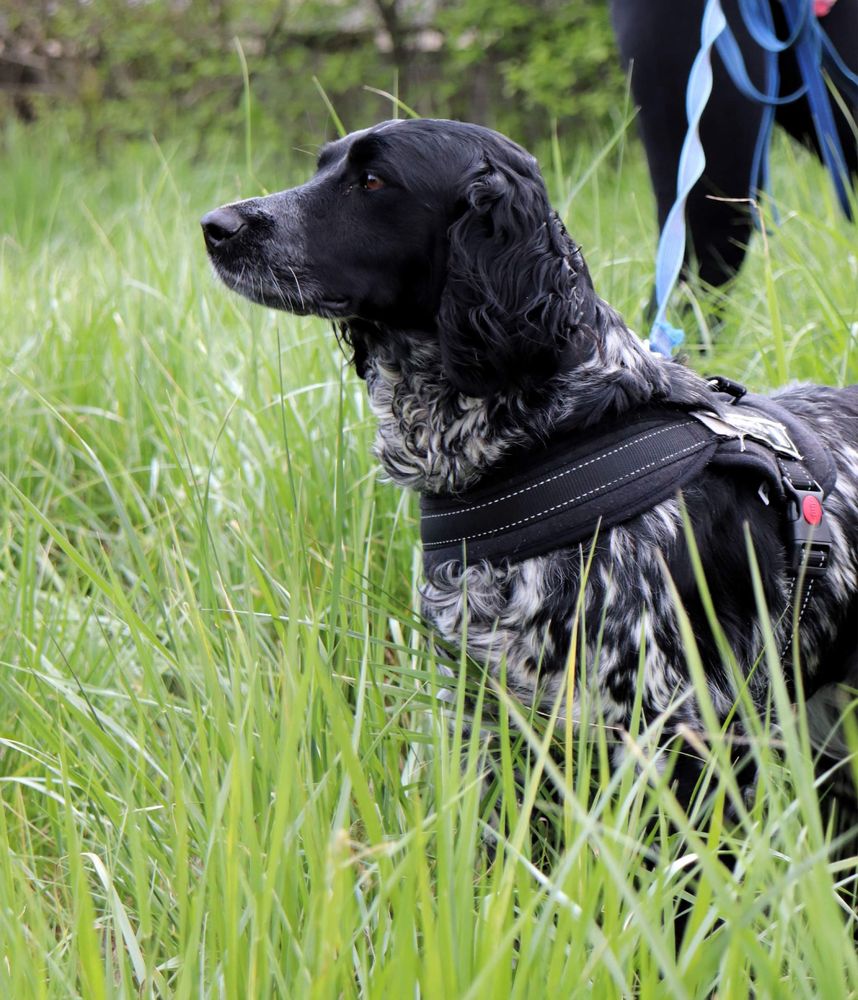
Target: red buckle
(809, 535)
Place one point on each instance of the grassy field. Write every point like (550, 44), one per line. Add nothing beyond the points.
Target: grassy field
(223, 768)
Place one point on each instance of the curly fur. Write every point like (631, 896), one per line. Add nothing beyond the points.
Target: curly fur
(475, 323)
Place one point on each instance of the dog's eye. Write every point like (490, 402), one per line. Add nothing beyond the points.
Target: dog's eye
(370, 181)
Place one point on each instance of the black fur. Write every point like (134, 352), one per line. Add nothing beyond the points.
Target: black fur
(476, 326)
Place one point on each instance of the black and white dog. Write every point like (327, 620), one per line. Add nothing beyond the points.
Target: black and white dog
(474, 322)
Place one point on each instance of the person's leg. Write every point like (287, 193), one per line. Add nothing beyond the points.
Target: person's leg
(660, 39)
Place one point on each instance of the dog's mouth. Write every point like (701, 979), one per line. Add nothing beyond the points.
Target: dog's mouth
(298, 297)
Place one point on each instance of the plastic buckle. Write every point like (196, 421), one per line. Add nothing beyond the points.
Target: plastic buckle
(720, 383)
(808, 532)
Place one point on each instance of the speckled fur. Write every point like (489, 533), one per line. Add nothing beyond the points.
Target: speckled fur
(520, 615)
(431, 438)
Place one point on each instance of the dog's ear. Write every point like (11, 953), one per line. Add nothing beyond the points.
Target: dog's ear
(514, 285)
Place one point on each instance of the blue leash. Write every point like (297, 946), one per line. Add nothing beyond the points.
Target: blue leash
(814, 50)
(663, 337)
(809, 55)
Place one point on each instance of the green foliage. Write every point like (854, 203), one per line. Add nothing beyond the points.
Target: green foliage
(554, 60)
(123, 68)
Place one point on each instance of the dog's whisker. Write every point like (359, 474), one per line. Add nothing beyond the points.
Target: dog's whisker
(297, 287)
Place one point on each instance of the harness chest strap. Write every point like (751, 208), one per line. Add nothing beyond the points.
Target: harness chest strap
(573, 488)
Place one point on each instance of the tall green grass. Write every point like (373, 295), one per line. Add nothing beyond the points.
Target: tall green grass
(224, 766)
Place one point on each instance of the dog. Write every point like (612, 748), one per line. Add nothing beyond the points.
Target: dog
(474, 322)
(658, 42)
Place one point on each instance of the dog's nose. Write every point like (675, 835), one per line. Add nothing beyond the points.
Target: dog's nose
(221, 225)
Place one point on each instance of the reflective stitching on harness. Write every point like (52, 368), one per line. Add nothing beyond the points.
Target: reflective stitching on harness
(557, 475)
(804, 603)
(566, 503)
(788, 643)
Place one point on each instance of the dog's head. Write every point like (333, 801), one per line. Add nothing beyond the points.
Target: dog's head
(437, 228)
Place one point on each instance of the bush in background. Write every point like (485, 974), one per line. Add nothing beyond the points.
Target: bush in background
(133, 67)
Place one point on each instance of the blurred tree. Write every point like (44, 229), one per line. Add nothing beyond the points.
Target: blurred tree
(137, 66)
(551, 59)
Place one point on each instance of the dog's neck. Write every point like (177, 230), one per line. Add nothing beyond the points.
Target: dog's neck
(434, 439)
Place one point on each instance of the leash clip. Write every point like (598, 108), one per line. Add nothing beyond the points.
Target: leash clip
(720, 383)
(807, 528)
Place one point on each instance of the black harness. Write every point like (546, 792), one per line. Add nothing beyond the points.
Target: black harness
(584, 482)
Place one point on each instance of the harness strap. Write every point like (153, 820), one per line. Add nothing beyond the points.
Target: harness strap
(574, 487)
(595, 480)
